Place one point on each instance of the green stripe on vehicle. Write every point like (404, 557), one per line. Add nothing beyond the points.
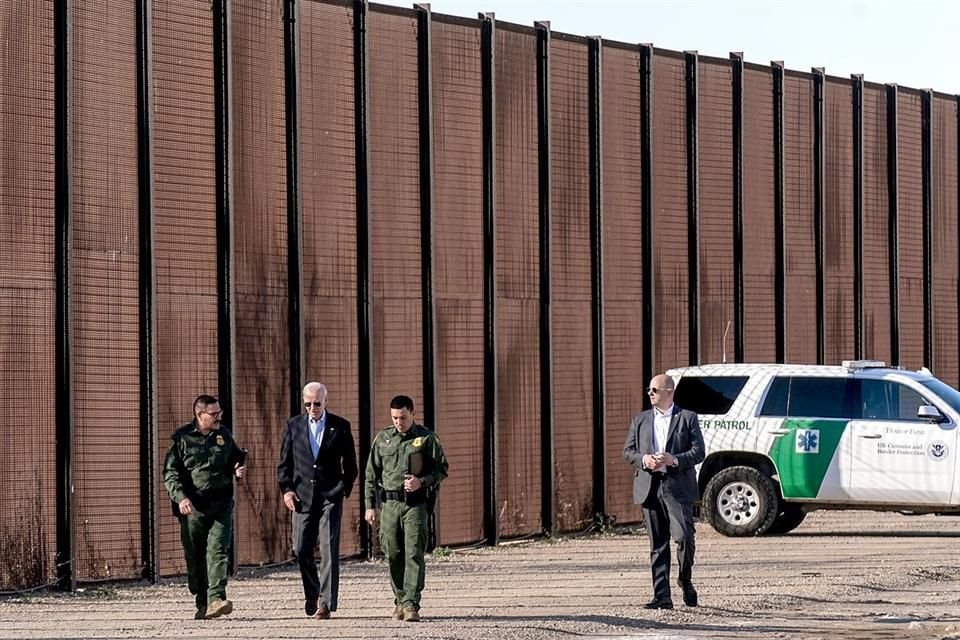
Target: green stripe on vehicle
(803, 455)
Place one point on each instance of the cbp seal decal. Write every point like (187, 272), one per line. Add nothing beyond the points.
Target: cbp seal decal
(938, 450)
(418, 442)
(220, 441)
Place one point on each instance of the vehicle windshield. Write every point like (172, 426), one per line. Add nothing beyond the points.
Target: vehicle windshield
(949, 395)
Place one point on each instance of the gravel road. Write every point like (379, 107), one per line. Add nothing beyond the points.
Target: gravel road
(840, 575)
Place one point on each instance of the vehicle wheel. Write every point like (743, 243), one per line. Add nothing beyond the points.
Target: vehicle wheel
(788, 519)
(740, 501)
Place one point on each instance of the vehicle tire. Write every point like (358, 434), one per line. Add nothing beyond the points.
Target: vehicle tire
(740, 501)
(789, 518)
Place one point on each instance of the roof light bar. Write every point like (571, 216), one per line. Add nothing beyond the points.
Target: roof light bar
(863, 364)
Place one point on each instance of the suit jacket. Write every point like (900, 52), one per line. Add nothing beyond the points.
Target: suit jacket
(328, 476)
(684, 441)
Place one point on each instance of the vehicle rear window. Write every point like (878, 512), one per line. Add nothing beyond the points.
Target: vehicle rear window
(775, 404)
(709, 394)
(819, 398)
(808, 397)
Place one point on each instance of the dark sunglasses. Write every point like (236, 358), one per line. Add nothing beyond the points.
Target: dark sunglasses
(655, 390)
(307, 405)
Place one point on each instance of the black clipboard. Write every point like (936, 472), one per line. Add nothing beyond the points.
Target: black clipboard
(416, 463)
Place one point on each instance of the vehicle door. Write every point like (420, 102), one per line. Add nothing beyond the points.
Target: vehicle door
(898, 457)
(810, 446)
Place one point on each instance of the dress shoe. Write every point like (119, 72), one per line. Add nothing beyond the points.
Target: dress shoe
(219, 608)
(658, 603)
(398, 612)
(689, 594)
(323, 612)
(411, 615)
(310, 607)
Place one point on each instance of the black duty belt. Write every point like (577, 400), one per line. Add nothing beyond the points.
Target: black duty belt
(399, 496)
(214, 495)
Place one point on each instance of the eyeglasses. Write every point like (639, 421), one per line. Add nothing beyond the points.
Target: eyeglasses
(653, 390)
(307, 405)
(213, 413)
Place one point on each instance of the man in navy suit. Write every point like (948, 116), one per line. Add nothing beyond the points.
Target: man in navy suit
(664, 445)
(318, 466)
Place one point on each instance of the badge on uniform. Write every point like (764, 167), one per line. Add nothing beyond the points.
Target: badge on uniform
(417, 442)
(220, 440)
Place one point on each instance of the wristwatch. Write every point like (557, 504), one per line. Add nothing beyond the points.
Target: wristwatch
(676, 462)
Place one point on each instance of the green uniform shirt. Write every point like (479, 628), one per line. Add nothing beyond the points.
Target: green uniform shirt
(390, 460)
(201, 466)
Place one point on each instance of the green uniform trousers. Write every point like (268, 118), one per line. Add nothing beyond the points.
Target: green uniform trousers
(206, 537)
(403, 537)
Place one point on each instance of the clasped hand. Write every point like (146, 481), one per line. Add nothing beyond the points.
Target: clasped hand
(411, 482)
(653, 461)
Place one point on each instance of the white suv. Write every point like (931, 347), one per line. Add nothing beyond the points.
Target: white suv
(783, 440)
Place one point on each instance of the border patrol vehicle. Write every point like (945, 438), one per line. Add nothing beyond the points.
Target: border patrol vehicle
(783, 440)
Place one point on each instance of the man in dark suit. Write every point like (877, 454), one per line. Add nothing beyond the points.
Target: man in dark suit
(318, 466)
(664, 445)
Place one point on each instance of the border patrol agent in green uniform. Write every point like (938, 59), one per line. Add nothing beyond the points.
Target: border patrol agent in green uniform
(198, 473)
(405, 468)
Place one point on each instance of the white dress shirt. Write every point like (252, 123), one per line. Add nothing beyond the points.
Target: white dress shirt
(661, 427)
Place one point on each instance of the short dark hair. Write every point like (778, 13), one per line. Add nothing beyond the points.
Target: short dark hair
(402, 402)
(204, 401)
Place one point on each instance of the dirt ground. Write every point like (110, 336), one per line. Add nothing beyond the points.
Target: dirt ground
(840, 575)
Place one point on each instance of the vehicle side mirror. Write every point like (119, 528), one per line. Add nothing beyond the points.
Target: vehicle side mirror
(930, 413)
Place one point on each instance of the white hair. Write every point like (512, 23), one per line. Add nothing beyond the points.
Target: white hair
(315, 387)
